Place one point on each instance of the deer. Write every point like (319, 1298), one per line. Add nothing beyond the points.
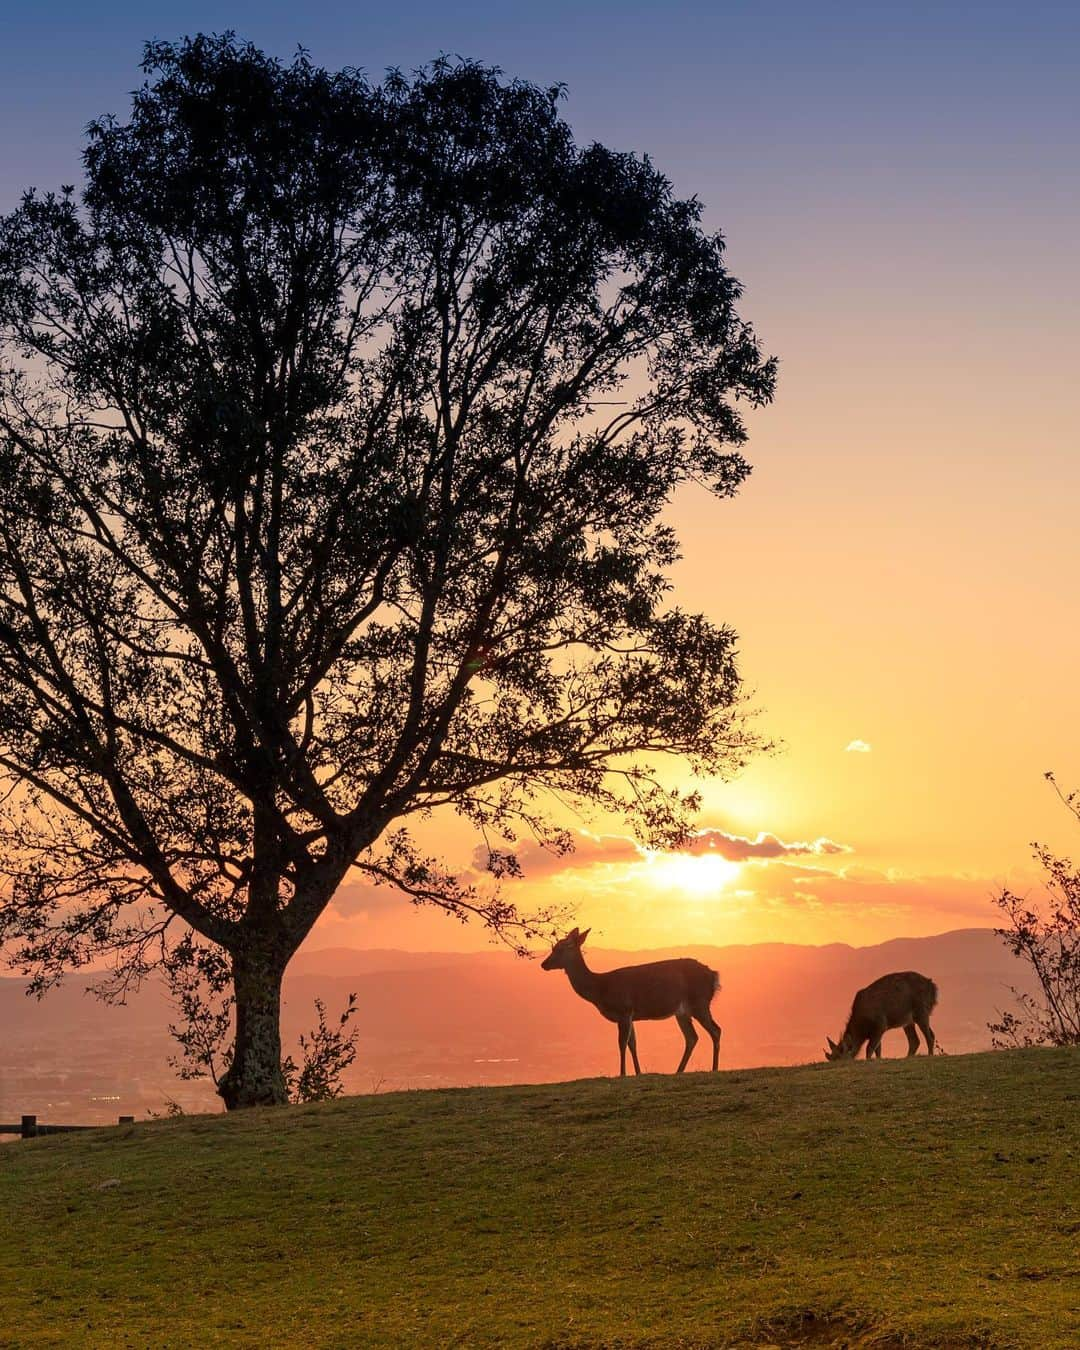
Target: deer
(682, 988)
(903, 999)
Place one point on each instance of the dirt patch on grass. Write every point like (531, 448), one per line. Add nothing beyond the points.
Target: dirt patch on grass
(792, 1331)
(843, 1331)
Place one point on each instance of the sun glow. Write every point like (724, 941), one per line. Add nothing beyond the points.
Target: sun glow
(694, 874)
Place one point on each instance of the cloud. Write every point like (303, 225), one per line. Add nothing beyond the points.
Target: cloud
(859, 747)
(361, 897)
(861, 894)
(604, 849)
(736, 848)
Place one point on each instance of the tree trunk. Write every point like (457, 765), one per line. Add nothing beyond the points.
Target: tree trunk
(254, 1077)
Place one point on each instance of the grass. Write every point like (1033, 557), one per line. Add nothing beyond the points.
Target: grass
(906, 1203)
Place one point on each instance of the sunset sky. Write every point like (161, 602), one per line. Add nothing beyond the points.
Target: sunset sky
(899, 187)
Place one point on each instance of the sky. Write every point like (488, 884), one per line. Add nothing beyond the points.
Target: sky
(899, 187)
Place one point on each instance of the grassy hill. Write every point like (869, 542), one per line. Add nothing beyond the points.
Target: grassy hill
(905, 1203)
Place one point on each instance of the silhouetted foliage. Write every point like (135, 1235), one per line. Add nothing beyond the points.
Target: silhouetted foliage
(336, 425)
(198, 980)
(325, 1053)
(1047, 938)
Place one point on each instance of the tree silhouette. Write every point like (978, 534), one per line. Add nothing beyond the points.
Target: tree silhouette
(336, 425)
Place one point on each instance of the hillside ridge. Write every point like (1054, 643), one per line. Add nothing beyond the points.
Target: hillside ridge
(823, 1204)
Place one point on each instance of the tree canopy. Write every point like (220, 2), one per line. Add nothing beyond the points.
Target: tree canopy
(337, 421)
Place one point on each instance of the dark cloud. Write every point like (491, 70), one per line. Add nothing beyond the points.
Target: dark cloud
(537, 861)
(595, 849)
(737, 848)
(359, 897)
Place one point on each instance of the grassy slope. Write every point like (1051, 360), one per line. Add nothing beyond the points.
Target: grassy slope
(908, 1202)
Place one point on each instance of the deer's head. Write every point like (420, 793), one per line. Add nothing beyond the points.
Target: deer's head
(565, 950)
(845, 1050)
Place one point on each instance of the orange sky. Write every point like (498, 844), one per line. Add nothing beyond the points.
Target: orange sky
(901, 569)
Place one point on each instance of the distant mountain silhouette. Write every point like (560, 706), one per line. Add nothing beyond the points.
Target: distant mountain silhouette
(447, 1018)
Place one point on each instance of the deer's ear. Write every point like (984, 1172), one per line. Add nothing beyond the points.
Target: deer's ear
(581, 936)
(832, 1044)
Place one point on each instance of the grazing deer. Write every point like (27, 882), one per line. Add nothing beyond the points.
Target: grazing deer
(682, 989)
(904, 999)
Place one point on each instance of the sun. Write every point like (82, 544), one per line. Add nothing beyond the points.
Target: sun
(699, 874)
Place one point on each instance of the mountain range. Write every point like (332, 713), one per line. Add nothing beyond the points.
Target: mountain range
(430, 1019)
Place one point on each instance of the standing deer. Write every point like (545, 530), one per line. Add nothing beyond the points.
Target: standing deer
(682, 989)
(904, 999)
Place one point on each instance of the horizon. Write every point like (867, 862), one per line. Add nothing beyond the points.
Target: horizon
(501, 948)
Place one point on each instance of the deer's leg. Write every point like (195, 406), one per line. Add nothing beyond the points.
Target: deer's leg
(686, 1025)
(873, 1045)
(712, 1029)
(626, 1026)
(912, 1040)
(928, 1035)
(632, 1043)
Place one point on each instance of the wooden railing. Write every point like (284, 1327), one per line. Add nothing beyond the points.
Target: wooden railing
(30, 1128)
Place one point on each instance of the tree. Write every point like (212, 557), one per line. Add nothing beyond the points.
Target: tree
(1047, 938)
(336, 425)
